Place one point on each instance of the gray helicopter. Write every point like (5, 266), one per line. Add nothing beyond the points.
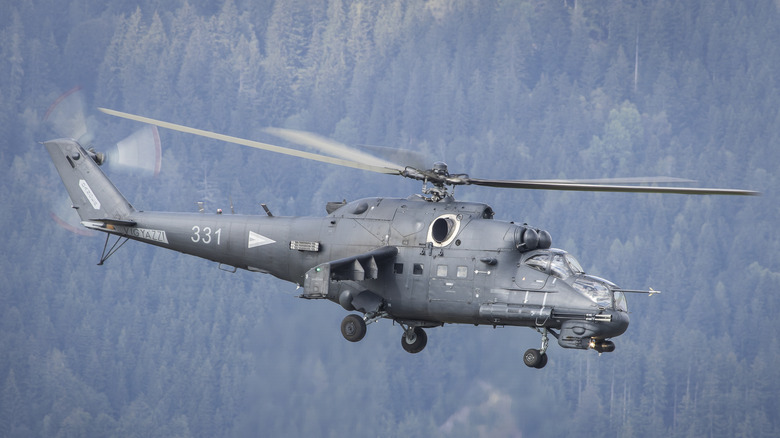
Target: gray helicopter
(422, 262)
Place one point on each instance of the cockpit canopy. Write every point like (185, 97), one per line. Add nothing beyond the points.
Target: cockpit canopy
(560, 264)
(555, 262)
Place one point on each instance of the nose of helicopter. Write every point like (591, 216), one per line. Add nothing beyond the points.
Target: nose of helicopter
(613, 323)
(616, 325)
(594, 333)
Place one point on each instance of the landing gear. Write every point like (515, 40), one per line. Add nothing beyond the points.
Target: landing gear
(534, 358)
(353, 328)
(414, 339)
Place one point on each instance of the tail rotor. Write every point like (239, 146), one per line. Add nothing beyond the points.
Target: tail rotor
(140, 153)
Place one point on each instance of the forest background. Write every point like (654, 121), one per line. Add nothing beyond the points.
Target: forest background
(155, 343)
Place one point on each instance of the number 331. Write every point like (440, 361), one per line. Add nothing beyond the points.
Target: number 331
(205, 235)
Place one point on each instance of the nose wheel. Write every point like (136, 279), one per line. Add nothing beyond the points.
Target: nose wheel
(534, 358)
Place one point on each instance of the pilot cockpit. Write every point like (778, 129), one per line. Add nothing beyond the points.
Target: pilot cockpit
(555, 262)
(564, 266)
(560, 264)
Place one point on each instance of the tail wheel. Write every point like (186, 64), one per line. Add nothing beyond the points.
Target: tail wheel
(353, 328)
(414, 340)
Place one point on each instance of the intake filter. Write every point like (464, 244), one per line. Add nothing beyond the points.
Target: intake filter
(526, 239)
(545, 239)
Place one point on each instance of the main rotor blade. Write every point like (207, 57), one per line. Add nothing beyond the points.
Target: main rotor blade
(252, 143)
(331, 147)
(621, 181)
(580, 187)
(380, 166)
(405, 157)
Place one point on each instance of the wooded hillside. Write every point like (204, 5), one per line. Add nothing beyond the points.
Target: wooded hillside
(161, 344)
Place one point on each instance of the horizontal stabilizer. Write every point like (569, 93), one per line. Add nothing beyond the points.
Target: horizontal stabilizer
(107, 224)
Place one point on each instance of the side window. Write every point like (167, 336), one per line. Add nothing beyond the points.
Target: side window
(441, 271)
(418, 269)
(463, 272)
(539, 262)
(559, 267)
(398, 268)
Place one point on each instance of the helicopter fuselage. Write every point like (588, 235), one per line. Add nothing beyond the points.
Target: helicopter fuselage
(438, 262)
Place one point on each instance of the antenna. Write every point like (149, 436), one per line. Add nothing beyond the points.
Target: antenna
(636, 61)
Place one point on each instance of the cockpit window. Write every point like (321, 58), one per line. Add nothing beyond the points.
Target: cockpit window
(595, 290)
(561, 265)
(539, 262)
(620, 302)
(574, 264)
(560, 268)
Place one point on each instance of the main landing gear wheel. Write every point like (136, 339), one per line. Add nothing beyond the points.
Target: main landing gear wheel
(414, 340)
(535, 358)
(353, 328)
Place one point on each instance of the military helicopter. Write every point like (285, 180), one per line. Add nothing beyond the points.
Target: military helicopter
(422, 261)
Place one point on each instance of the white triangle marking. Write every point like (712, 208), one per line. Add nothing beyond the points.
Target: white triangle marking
(258, 240)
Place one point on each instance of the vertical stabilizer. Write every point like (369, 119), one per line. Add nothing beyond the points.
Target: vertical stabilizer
(93, 195)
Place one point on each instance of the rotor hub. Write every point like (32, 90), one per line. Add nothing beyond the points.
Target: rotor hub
(440, 169)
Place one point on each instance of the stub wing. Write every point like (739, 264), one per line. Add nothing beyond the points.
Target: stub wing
(356, 268)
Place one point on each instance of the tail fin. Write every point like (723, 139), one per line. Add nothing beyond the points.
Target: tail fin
(93, 195)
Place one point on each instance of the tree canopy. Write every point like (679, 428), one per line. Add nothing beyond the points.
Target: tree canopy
(160, 344)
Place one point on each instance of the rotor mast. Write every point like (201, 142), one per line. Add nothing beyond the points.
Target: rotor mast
(439, 189)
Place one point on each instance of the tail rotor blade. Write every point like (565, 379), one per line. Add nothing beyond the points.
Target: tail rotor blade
(67, 116)
(140, 151)
(63, 215)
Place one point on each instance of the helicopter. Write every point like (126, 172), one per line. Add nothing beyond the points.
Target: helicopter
(422, 261)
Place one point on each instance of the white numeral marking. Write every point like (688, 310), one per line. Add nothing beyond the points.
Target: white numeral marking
(204, 235)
